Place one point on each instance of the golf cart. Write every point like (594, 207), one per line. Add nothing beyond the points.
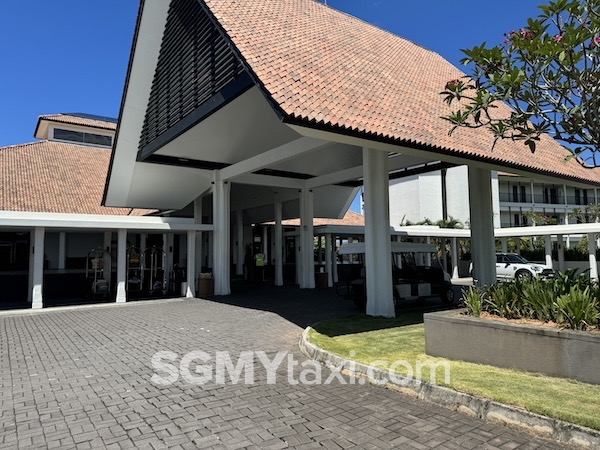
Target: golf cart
(412, 278)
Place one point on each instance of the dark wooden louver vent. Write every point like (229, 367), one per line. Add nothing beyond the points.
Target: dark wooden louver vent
(194, 64)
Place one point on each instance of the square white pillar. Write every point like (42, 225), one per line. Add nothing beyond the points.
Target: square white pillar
(504, 244)
(592, 257)
(221, 235)
(37, 268)
(548, 249)
(191, 264)
(483, 243)
(454, 257)
(121, 266)
(278, 244)
(378, 267)
(307, 254)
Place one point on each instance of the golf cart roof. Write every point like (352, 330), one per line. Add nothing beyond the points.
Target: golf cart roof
(397, 247)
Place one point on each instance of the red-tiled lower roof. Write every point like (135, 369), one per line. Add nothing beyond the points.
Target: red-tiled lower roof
(350, 218)
(56, 177)
(328, 69)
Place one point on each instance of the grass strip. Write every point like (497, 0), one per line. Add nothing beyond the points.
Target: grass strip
(366, 339)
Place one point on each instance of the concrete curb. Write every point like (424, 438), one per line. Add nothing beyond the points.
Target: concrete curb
(471, 405)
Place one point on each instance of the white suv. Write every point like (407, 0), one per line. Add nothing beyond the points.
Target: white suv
(510, 266)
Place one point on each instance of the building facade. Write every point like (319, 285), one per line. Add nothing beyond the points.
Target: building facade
(517, 200)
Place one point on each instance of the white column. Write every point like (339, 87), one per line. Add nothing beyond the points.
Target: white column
(221, 235)
(334, 258)
(239, 228)
(190, 264)
(278, 244)
(121, 265)
(561, 252)
(504, 244)
(328, 258)
(380, 301)
(62, 249)
(518, 245)
(548, 248)
(37, 278)
(307, 254)
(592, 252)
(454, 257)
(568, 239)
(483, 244)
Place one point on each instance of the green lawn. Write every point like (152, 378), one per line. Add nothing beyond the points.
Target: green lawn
(403, 338)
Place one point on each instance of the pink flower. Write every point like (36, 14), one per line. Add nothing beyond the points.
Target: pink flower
(525, 33)
(450, 85)
(595, 41)
(558, 38)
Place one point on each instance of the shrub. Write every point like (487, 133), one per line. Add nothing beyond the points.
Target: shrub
(578, 309)
(570, 300)
(473, 300)
(538, 299)
(503, 299)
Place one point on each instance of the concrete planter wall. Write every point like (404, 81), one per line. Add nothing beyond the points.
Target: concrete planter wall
(560, 353)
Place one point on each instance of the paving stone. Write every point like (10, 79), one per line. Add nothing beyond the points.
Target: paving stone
(83, 378)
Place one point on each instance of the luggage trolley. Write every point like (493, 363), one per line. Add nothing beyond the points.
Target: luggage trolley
(135, 273)
(98, 269)
(154, 270)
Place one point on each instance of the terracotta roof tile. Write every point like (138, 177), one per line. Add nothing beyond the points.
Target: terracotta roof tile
(350, 218)
(56, 177)
(77, 120)
(327, 68)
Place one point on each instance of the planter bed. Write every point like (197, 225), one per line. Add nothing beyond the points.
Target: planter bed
(551, 351)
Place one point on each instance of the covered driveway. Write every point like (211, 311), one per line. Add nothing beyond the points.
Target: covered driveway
(262, 111)
(81, 378)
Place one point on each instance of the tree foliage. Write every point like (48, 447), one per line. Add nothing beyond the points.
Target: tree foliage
(548, 72)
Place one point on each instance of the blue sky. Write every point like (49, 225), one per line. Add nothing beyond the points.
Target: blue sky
(71, 55)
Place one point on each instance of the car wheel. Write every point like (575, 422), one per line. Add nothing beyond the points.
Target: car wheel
(523, 275)
(448, 296)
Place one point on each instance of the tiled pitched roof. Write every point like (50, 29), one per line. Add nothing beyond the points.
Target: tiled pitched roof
(48, 176)
(77, 120)
(328, 69)
(350, 218)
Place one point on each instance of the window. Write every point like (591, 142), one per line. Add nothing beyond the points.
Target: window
(585, 197)
(79, 136)
(577, 197)
(516, 220)
(523, 196)
(515, 194)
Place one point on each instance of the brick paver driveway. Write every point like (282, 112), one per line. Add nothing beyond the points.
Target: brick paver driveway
(82, 378)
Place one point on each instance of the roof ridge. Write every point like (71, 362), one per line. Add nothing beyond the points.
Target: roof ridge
(24, 144)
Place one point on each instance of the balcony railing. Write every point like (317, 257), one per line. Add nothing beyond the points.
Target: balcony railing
(574, 200)
(511, 198)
